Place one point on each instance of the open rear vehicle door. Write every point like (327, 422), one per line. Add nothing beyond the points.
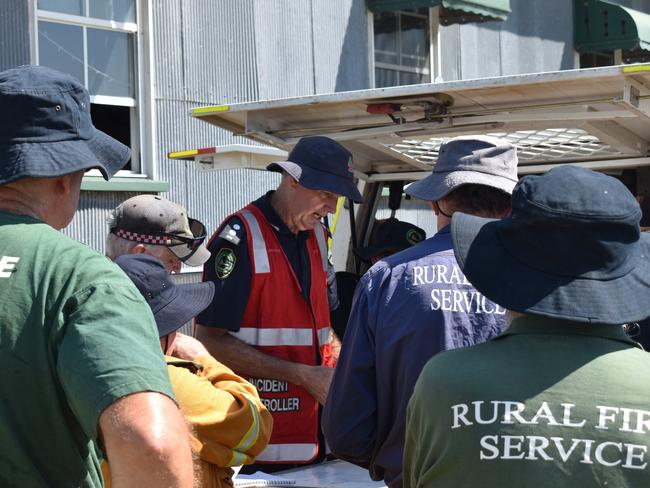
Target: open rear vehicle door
(598, 118)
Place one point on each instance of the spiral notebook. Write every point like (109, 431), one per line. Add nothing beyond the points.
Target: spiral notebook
(261, 479)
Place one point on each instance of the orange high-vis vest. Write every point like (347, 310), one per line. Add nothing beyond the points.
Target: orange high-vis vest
(280, 322)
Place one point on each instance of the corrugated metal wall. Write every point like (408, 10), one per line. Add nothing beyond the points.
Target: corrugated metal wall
(536, 36)
(229, 51)
(14, 33)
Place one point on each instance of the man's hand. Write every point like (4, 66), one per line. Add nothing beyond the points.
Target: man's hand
(316, 380)
(187, 347)
(248, 361)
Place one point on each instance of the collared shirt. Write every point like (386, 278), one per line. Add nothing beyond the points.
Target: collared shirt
(232, 290)
(547, 403)
(406, 308)
(77, 335)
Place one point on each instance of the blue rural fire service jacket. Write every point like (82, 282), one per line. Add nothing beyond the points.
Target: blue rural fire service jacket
(406, 308)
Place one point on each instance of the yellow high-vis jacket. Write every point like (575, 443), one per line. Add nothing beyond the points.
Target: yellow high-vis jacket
(229, 422)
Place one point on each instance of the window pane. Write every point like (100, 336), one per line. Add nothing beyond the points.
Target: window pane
(415, 36)
(110, 63)
(60, 47)
(385, 77)
(412, 78)
(117, 10)
(115, 121)
(385, 25)
(415, 62)
(389, 58)
(73, 7)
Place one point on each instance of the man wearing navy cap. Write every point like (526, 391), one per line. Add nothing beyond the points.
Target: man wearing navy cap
(413, 305)
(269, 320)
(561, 397)
(77, 385)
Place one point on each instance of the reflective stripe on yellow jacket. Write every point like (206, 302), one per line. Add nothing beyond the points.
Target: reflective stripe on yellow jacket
(230, 424)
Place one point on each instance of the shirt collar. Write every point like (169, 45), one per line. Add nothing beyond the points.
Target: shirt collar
(264, 204)
(535, 324)
(445, 230)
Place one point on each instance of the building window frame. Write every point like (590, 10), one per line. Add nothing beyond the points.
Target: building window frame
(141, 105)
(432, 73)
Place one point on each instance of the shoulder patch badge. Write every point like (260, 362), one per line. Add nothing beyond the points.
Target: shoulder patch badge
(413, 237)
(224, 263)
(230, 234)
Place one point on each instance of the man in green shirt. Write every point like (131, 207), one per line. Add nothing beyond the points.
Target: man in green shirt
(83, 376)
(561, 398)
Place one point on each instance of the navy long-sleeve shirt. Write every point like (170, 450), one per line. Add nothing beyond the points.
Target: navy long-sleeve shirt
(406, 309)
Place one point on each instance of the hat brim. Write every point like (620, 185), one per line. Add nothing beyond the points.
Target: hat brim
(319, 180)
(190, 300)
(438, 185)
(516, 286)
(368, 252)
(52, 159)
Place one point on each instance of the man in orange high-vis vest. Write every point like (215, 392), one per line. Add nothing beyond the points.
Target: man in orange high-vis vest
(269, 320)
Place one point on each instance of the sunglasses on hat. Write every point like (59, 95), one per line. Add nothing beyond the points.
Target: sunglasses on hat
(166, 239)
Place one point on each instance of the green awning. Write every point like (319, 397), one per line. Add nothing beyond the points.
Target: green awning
(479, 10)
(601, 26)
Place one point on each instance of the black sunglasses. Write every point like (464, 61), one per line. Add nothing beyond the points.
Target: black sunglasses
(198, 231)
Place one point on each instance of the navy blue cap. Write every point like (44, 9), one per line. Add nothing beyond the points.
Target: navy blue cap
(49, 132)
(321, 163)
(172, 305)
(571, 250)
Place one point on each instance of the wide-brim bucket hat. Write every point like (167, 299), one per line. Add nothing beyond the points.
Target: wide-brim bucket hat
(173, 305)
(571, 250)
(321, 163)
(478, 160)
(49, 132)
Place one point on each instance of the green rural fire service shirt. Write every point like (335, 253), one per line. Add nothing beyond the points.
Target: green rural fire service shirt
(547, 403)
(75, 335)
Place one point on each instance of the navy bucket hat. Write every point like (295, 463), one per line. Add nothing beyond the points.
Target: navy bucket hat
(46, 130)
(321, 163)
(172, 305)
(572, 249)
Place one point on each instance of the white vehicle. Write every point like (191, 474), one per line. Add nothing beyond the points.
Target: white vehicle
(597, 118)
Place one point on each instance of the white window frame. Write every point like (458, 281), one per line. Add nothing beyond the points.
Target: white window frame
(143, 116)
(434, 49)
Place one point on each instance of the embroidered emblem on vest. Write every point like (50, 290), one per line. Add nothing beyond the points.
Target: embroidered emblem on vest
(413, 237)
(224, 263)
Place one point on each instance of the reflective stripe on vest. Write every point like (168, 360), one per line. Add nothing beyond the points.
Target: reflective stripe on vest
(323, 336)
(281, 336)
(260, 255)
(322, 245)
(280, 452)
(274, 337)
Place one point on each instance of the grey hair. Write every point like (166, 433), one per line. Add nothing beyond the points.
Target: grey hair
(117, 246)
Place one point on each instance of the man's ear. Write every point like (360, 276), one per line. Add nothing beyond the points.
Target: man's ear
(138, 249)
(67, 184)
(61, 185)
(293, 183)
(434, 206)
